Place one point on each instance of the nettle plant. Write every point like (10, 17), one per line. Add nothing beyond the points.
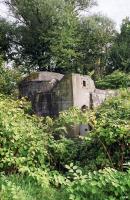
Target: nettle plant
(62, 149)
(108, 184)
(23, 138)
(9, 79)
(107, 145)
(110, 139)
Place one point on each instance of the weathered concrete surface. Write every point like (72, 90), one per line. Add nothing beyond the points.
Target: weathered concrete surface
(99, 96)
(37, 87)
(38, 82)
(58, 99)
(41, 104)
(82, 87)
(84, 129)
(51, 93)
(73, 131)
(43, 76)
(78, 130)
(62, 96)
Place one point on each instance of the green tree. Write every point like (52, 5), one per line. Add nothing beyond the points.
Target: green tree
(5, 38)
(97, 34)
(82, 4)
(45, 35)
(120, 54)
(9, 79)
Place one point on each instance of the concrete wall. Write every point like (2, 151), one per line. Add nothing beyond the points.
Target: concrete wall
(37, 87)
(42, 104)
(58, 99)
(30, 88)
(52, 93)
(62, 95)
(38, 82)
(78, 130)
(99, 96)
(82, 87)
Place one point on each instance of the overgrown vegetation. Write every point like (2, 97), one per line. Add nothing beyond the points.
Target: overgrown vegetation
(115, 80)
(24, 188)
(9, 79)
(37, 158)
(52, 35)
(35, 151)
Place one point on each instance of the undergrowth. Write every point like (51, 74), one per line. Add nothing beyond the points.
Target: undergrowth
(38, 161)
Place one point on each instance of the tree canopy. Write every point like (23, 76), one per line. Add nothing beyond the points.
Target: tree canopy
(42, 29)
(52, 35)
(120, 53)
(97, 34)
(5, 38)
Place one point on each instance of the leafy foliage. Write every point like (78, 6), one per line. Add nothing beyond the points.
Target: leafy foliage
(120, 56)
(97, 34)
(111, 134)
(96, 167)
(5, 37)
(115, 80)
(52, 35)
(22, 143)
(71, 117)
(9, 79)
(107, 184)
(16, 187)
(45, 35)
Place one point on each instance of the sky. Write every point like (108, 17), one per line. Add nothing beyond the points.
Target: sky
(115, 9)
(3, 9)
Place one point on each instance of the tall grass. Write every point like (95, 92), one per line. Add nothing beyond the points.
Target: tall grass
(16, 187)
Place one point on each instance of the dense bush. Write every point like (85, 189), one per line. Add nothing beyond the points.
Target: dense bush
(22, 137)
(115, 80)
(63, 149)
(108, 143)
(9, 79)
(107, 184)
(17, 187)
(93, 167)
(68, 119)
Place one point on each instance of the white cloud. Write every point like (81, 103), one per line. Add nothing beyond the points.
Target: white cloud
(3, 10)
(115, 9)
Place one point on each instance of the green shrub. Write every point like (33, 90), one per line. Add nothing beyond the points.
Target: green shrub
(99, 162)
(73, 116)
(16, 187)
(9, 79)
(61, 148)
(109, 141)
(115, 80)
(23, 139)
(106, 145)
(107, 184)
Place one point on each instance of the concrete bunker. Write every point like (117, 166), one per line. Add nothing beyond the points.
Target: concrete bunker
(51, 93)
